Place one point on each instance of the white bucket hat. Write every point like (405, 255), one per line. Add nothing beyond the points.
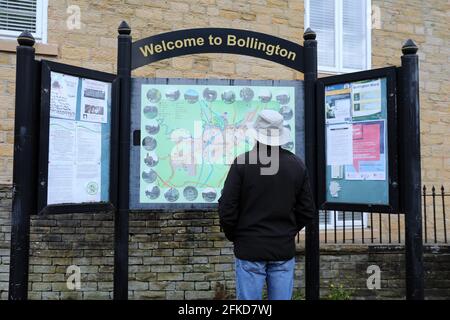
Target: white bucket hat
(268, 129)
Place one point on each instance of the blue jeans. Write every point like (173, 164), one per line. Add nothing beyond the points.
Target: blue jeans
(251, 277)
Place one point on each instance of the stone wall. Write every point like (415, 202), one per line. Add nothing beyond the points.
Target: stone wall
(347, 265)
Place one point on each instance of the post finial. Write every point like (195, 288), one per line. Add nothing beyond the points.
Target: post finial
(409, 47)
(26, 39)
(309, 34)
(124, 28)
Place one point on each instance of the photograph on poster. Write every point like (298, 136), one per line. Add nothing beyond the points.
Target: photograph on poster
(63, 96)
(93, 101)
(79, 131)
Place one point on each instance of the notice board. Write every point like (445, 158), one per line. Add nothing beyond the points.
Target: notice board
(187, 132)
(357, 134)
(76, 155)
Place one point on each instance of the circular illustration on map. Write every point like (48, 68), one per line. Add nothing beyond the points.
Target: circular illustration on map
(288, 146)
(247, 94)
(172, 94)
(190, 193)
(152, 127)
(228, 97)
(209, 95)
(283, 98)
(149, 176)
(286, 112)
(209, 194)
(150, 112)
(191, 96)
(172, 195)
(265, 96)
(149, 143)
(151, 159)
(288, 126)
(153, 95)
(152, 192)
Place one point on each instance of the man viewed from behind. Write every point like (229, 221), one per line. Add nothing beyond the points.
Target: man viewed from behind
(261, 211)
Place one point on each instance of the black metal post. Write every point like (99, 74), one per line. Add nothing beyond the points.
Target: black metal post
(24, 172)
(409, 117)
(312, 254)
(121, 214)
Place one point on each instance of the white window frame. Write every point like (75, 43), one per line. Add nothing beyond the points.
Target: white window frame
(338, 36)
(340, 223)
(41, 24)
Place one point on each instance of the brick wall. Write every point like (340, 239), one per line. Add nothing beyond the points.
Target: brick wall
(184, 256)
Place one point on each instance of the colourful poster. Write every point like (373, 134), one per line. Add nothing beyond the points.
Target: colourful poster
(366, 143)
(94, 101)
(369, 161)
(338, 105)
(356, 142)
(366, 99)
(190, 134)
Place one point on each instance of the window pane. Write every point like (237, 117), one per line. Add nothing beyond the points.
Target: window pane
(354, 34)
(18, 15)
(322, 217)
(322, 21)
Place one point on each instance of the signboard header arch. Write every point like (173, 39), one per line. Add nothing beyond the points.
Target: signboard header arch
(216, 40)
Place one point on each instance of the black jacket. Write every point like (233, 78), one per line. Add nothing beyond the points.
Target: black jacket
(262, 214)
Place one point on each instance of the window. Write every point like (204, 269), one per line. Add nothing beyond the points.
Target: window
(19, 15)
(343, 29)
(330, 218)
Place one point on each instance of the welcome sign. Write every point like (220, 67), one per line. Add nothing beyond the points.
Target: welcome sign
(217, 40)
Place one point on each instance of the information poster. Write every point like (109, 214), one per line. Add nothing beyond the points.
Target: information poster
(79, 135)
(356, 137)
(190, 134)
